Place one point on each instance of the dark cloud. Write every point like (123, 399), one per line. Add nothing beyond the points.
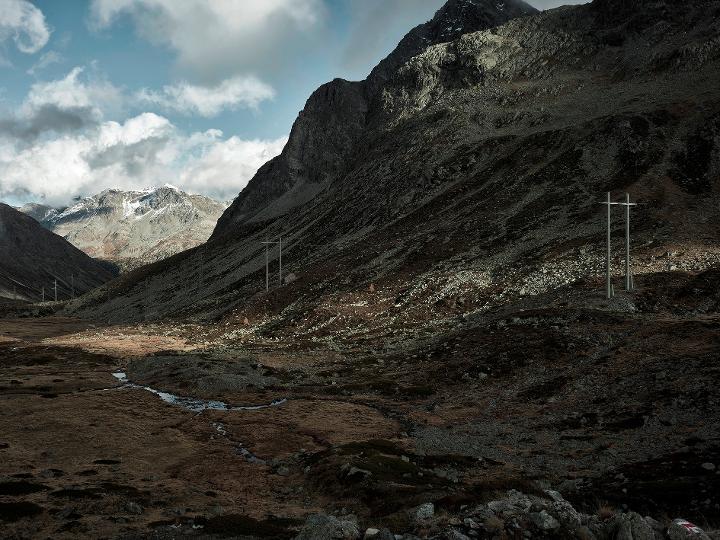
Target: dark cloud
(48, 118)
(133, 158)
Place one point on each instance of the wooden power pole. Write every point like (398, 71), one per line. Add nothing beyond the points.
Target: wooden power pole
(629, 286)
(608, 281)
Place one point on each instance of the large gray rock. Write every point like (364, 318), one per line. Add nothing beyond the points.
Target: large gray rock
(544, 521)
(681, 529)
(632, 526)
(324, 527)
(424, 512)
(454, 534)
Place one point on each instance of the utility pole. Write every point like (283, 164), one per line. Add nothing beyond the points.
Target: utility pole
(628, 272)
(72, 285)
(267, 270)
(56, 289)
(280, 260)
(268, 243)
(43, 294)
(202, 266)
(609, 288)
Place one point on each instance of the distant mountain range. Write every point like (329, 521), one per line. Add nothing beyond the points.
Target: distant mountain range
(133, 228)
(34, 258)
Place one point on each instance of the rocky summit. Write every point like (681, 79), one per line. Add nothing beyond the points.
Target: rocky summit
(132, 228)
(400, 329)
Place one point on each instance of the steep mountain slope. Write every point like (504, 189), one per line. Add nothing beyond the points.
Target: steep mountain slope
(132, 228)
(473, 177)
(336, 115)
(33, 258)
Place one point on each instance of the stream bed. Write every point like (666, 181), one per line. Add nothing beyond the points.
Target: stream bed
(193, 404)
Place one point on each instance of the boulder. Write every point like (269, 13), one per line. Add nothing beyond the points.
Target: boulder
(632, 526)
(324, 527)
(515, 503)
(544, 521)
(424, 512)
(134, 508)
(378, 534)
(454, 534)
(565, 512)
(681, 529)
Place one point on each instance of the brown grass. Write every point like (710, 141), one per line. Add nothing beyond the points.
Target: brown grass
(605, 512)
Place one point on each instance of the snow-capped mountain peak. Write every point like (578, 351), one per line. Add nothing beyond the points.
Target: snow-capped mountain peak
(133, 227)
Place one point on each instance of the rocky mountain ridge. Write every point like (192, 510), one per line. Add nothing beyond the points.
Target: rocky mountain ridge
(132, 228)
(477, 174)
(324, 136)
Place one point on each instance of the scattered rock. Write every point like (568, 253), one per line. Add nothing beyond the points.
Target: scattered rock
(454, 534)
(708, 466)
(134, 508)
(378, 534)
(554, 495)
(632, 526)
(655, 524)
(544, 521)
(324, 527)
(424, 512)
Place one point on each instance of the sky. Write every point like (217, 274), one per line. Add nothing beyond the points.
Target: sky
(130, 94)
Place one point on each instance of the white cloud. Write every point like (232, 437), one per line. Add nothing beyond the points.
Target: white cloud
(220, 38)
(228, 165)
(74, 91)
(25, 24)
(47, 59)
(236, 92)
(145, 150)
(70, 104)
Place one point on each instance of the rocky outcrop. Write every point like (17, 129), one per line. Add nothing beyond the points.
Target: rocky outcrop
(132, 228)
(512, 515)
(33, 258)
(324, 139)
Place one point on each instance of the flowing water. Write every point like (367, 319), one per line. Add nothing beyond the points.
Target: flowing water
(193, 404)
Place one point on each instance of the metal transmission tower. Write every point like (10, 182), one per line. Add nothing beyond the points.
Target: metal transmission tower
(628, 272)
